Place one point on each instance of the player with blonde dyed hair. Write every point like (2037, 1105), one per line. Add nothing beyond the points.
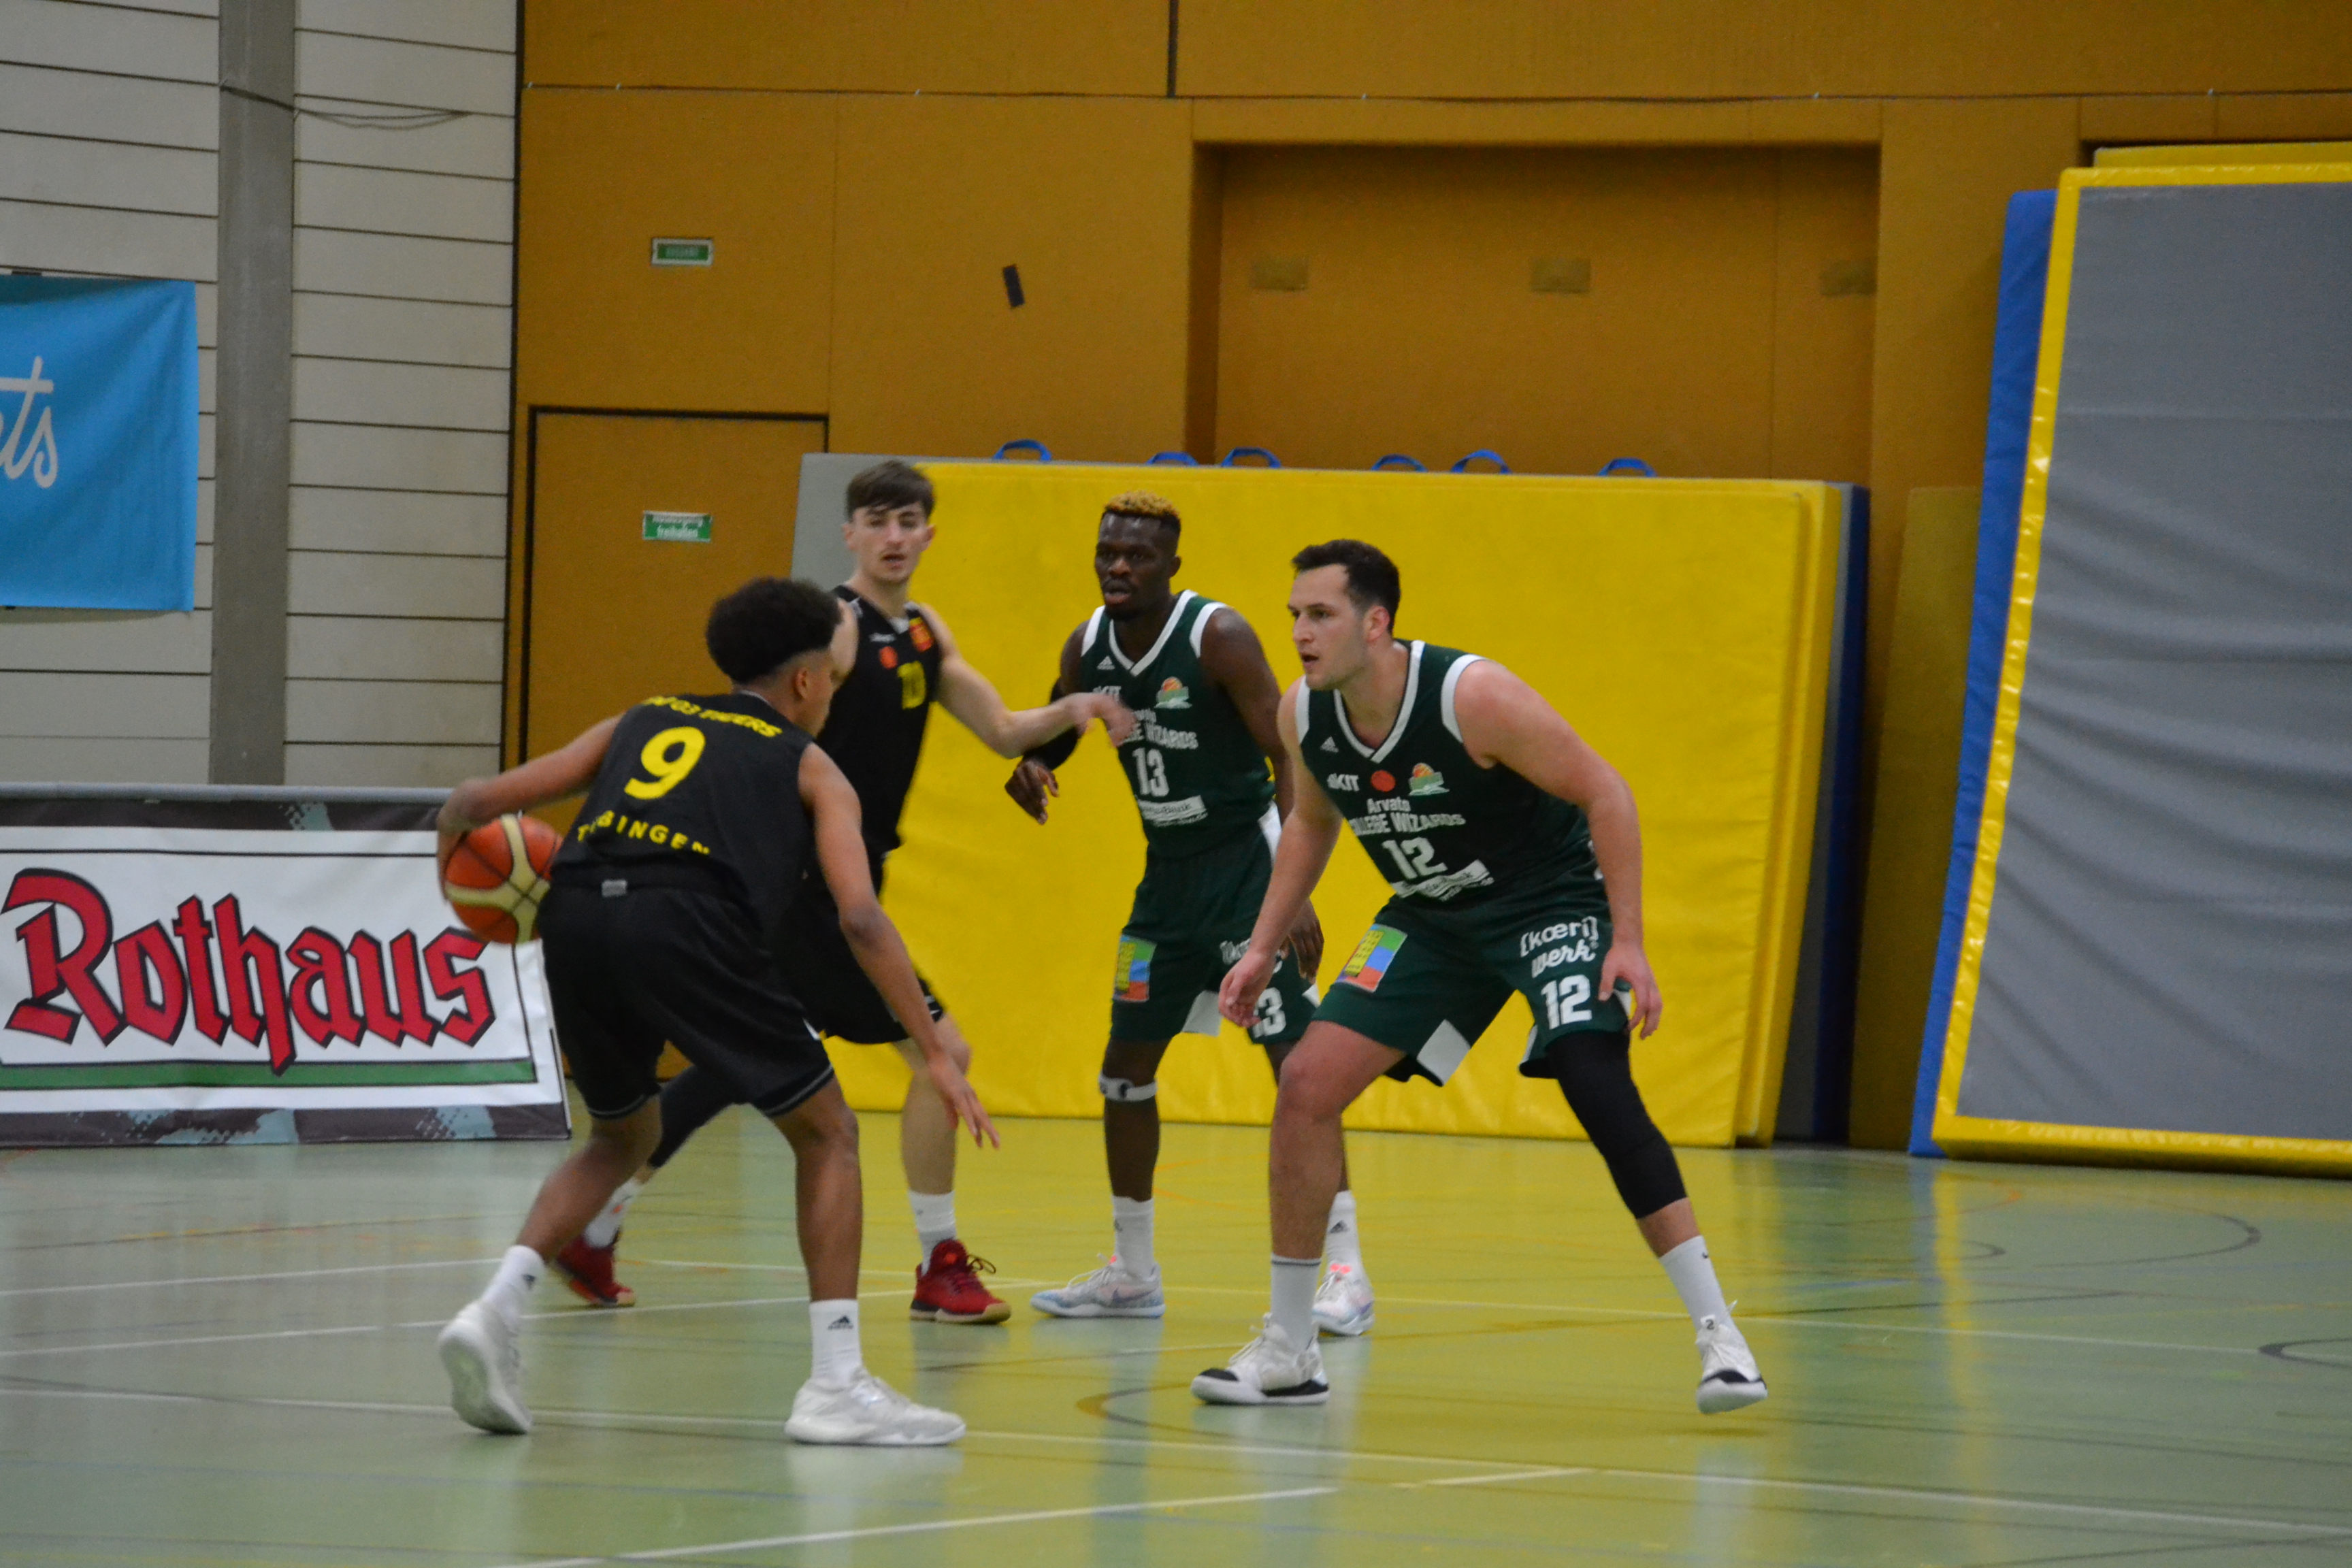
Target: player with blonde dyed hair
(1197, 679)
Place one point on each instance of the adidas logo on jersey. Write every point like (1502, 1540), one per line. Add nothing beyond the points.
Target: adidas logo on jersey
(1105, 664)
(1329, 744)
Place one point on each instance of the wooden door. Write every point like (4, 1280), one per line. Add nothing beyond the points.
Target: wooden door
(613, 615)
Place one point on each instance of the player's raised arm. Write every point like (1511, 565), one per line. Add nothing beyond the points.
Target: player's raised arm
(1236, 660)
(1308, 835)
(872, 939)
(974, 700)
(566, 771)
(1034, 780)
(1503, 719)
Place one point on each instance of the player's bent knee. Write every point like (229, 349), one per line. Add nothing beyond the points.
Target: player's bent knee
(1126, 1091)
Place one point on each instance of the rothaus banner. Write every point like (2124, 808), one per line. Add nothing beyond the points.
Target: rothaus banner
(98, 443)
(207, 966)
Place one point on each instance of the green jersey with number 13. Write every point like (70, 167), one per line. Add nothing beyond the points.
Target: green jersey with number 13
(1197, 774)
(1445, 832)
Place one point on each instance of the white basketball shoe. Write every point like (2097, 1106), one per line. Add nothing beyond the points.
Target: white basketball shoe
(1109, 1291)
(1269, 1370)
(1343, 1302)
(481, 1351)
(869, 1410)
(1727, 1378)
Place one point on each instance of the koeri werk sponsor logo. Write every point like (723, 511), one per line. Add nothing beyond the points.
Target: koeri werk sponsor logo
(25, 444)
(223, 977)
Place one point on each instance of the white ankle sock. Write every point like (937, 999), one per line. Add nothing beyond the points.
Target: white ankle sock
(606, 1226)
(1130, 1225)
(934, 1219)
(1293, 1298)
(1341, 1241)
(509, 1288)
(1694, 1275)
(835, 1356)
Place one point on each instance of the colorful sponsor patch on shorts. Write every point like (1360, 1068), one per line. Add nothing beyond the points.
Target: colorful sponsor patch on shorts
(1130, 977)
(1370, 961)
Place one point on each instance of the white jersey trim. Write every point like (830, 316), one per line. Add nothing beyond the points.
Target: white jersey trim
(1094, 624)
(1201, 623)
(1175, 619)
(1398, 726)
(1271, 826)
(1445, 693)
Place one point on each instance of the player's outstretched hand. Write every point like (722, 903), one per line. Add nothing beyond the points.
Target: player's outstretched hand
(1031, 782)
(1237, 997)
(1117, 719)
(1306, 942)
(957, 1094)
(1628, 966)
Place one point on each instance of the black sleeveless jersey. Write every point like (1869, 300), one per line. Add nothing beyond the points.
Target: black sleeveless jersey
(875, 732)
(705, 781)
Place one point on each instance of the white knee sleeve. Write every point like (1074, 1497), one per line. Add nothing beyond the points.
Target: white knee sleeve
(1125, 1092)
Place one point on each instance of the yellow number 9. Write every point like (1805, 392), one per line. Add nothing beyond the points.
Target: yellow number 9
(669, 757)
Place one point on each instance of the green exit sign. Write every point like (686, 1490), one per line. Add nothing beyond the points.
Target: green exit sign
(681, 252)
(678, 527)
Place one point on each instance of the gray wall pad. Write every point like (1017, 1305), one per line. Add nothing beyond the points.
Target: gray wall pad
(2170, 939)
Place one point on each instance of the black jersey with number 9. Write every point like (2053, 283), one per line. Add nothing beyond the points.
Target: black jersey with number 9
(702, 781)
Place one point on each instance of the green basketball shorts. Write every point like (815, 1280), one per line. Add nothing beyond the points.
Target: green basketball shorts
(1427, 983)
(1191, 920)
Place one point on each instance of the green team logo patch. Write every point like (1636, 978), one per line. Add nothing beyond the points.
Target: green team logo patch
(1425, 780)
(1369, 963)
(1130, 975)
(1173, 694)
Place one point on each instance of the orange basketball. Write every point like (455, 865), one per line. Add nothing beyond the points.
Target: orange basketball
(497, 874)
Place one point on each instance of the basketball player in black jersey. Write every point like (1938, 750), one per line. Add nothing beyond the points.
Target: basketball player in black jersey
(701, 813)
(906, 660)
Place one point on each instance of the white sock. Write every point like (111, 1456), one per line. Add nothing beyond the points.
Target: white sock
(1131, 1226)
(934, 1219)
(1341, 1242)
(606, 1227)
(509, 1288)
(1293, 1298)
(835, 1356)
(1694, 1275)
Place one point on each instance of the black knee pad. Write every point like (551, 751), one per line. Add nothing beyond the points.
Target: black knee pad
(688, 1102)
(1598, 1081)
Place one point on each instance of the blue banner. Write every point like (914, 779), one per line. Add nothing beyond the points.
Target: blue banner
(98, 443)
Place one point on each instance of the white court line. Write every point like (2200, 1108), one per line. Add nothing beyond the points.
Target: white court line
(1846, 1324)
(926, 1527)
(626, 1418)
(245, 1278)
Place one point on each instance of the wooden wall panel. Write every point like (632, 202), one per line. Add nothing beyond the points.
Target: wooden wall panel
(1825, 243)
(607, 174)
(913, 45)
(1090, 199)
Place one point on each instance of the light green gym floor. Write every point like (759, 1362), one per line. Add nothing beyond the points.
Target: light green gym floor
(226, 1356)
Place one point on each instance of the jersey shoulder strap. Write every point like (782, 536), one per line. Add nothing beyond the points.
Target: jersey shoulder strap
(1453, 671)
(1201, 610)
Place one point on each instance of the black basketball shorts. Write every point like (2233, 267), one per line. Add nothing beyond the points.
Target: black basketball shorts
(816, 962)
(631, 965)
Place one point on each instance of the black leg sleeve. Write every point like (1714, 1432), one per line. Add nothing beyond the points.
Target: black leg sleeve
(688, 1100)
(1595, 1075)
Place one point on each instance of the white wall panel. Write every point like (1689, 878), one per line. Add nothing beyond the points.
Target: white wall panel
(394, 711)
(382, 459)
(399, 523)
(481, 145)
(55, 239)
(113, 39)
(106, 174)
(378, 72)
(478, 25)
(402, 267)
(392, 201)
(427, 397)
(415, 332)
(455, 587)
(377, 766)
(84, 759)
(346, 648)
(109, 108)
(129, 707)
(113, 640)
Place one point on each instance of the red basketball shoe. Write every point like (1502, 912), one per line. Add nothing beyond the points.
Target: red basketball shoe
(589, 1272)
(947, 1288)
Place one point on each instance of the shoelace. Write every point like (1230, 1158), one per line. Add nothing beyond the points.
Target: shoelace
(970, 1264)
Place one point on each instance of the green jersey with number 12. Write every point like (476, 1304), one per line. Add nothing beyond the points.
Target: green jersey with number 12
(1197, 774)
(1445, 832)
